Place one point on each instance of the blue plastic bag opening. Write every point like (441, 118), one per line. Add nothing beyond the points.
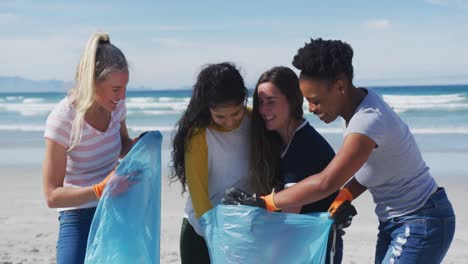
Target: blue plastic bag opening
(245, 234)
(126, 225)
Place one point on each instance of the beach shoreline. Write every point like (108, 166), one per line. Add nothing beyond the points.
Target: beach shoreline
(29, 229)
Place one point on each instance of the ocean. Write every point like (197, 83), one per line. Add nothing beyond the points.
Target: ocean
(437, 116)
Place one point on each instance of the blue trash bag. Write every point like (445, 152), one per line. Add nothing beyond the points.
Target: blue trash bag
(244, 234)
(126, 225)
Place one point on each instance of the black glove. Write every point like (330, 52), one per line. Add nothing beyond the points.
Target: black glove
(142, 134)
(135, 140)
(235, 196)
(138, 138)
(344, 214)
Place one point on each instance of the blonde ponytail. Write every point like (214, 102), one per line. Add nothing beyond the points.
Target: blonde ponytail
(99, 59)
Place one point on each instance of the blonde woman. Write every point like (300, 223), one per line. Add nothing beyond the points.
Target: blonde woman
(85, 135)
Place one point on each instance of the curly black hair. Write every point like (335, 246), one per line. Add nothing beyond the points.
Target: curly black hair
(217, 84)
(325, 59)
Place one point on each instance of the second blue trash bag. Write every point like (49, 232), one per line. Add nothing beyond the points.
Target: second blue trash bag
(126, 225)
(245, 234)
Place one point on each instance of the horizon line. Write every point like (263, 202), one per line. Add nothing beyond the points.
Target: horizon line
(138, 89)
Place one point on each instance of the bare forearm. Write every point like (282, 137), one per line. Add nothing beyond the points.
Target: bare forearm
(355, 188)
(307, 191)
(292, 210)
(70, 196)
(351, 157)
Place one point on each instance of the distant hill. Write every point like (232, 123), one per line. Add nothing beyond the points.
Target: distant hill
(18, 84)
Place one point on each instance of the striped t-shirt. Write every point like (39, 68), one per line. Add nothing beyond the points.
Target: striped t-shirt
(95, 156)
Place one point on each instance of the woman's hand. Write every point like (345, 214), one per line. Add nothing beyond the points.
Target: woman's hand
(116, 183)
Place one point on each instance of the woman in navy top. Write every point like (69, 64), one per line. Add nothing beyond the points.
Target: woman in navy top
(286, 148)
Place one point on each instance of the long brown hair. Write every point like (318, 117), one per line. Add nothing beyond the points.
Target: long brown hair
(265, 146)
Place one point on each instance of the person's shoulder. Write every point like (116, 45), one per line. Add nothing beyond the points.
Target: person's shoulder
(64, 110)
(369, 109)
(308, 136)
(306, 130)
(372, 102)
(197, 139)
(198, 135)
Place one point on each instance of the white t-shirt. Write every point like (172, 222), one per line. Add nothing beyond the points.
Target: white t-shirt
(228, 160)
(395, 173)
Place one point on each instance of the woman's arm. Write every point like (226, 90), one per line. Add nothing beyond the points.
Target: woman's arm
(125, 140)
(292, 210)
(54, 167)
(355, 188)
(353, 154)
(196, 173)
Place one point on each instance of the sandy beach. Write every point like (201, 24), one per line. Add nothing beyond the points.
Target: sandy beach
(29, 229)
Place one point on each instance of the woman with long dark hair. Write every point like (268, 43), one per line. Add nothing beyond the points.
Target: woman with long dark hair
(287, 148)
(210, 150)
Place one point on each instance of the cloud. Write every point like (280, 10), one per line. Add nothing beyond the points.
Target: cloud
(176, 63)
(171, 62)
(46, 57)
(455, 3)
(379, 24)
(8, 19)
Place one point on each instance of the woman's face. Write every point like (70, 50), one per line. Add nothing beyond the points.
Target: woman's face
(111, 90)
(322, 97)
(273, 106)
(227, 116)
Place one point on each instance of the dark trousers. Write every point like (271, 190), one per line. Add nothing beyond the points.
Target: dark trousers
(338, 247)
(193, 247)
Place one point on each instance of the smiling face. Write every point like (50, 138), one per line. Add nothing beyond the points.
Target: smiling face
(111, 90)
(273, 106)
(228, 116)
(323, 98)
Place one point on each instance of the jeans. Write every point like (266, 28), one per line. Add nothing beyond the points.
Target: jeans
(423, 236)
(73, 235)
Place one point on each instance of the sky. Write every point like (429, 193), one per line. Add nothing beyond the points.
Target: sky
(397, 42)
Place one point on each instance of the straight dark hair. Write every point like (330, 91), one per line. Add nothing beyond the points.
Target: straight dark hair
(266, 145)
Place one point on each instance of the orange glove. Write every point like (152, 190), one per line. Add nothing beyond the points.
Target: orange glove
(270, 203)
(99, 187)
(343, 195)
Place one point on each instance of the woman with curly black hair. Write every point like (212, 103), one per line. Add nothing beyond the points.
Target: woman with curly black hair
(210, 150)
(379, 153)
